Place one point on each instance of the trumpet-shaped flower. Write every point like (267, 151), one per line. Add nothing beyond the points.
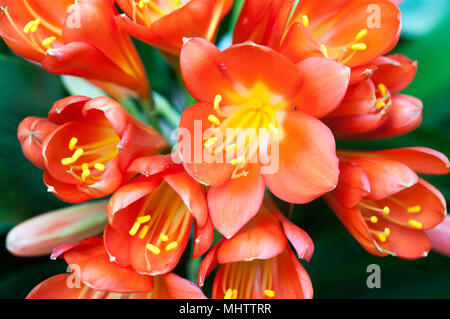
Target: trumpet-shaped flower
(351, 32)
(150, 218)
(384, 204)
(91, 145)
(79, 39)
(257, 262)
(373, 108)
(164, 23)
(256, 125)
(94, 276)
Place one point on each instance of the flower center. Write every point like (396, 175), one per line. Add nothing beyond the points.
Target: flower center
(88, 162)
(243, 128)
(239, 278)
(148, 11)
(38, 33)
(162, 222)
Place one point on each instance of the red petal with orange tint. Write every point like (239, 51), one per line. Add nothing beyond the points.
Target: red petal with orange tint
(180, 288)
(325, 83)
(234, 203)
(203, 239)
(353, 185)
(261, 238)
(422, 160)
(407, 243)
(395, 71)
(308, 166)
(65, 192)
(299, 44)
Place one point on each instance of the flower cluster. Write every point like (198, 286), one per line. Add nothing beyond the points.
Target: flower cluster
(269, 110)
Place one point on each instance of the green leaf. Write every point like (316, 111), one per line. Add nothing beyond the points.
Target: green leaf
(26, 90)
(79, 86)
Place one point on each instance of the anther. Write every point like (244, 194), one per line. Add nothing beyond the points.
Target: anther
(380, 105)
(228, 294)
(70, 160)
(213, 119)
(382, 237)
(172, 246)
(100, 167)
(163, 237)
(269, 293)
(230, 148)
(47, 42)
(415, 223)
(134, 229)
(144, 219)
(237, 160)
(374, 219)
(153, 249)
(143, 232)
(361, 34)
(217, 101)
(305, 20)
(73, 142)
(210, 142)
(359, 46)
(387, 231)
(383, 90)
(386, 210)
(324, 49)
(414, 209)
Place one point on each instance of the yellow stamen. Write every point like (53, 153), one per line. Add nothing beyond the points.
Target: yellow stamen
(99, 167)
(153, 249)
(305, 20)
(69, 8)
(213, 119)
(383, 89)
(415, 223)
(274, 129)
(386, 210)
(230, 147)
(238, 160)
(178, 3)
(86, 173)
(143, 232)
(324, 49)
(382, 237)
(387, 231)
(210, 142)
(47, 42)
(380, 105)
(269, 293)
(359, 46)
(134, 229)
(144, 219)
(163, 237)
(73, 142)
(70, 160)
(172, 246)
(414, 209)
(374, 219)
(361, 34)
(217, 101)
(234, 295)
(28, 26)
(228, 294)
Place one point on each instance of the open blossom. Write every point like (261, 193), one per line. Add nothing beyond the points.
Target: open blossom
(79, 39)
(254, 104)
(88, 148)
(164, 23)
(258, 263)
(351, 32)
(384, 204)
(150, 218)
(95, 277)
(373, 108)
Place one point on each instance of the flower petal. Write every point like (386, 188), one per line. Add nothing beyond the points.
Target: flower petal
(353, 185)
(180, 288)
(308, 166)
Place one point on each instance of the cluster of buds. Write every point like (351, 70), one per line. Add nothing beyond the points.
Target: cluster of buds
(297, 77)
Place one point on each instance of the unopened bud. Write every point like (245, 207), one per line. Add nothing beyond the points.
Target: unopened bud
(39, 235)
(440, 237)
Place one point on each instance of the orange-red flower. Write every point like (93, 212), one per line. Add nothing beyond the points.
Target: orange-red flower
(384, 204)
(95, 277)
(256, 125)
(164, 23)
(258, 263)
(373, 108)
(86, 145)
(81, 39)
(150, 218)
(352, 32)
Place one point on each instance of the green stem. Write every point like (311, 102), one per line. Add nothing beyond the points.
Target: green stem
(164, 109)
(151, 115)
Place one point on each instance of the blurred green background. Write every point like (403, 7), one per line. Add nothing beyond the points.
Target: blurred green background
(338, 267)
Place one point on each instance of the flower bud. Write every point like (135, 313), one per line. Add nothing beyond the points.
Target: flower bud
(440, 237)
(39, 235)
